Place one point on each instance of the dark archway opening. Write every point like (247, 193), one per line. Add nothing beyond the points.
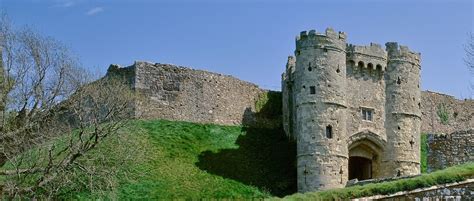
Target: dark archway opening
(360, 168)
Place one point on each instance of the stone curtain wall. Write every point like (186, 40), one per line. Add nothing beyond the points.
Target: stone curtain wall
(448, 150)
(459, 113)
(184, 94)
(172, 92)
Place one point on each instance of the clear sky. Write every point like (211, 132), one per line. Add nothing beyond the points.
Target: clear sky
(251, 39)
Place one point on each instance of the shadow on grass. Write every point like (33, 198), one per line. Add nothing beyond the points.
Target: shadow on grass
(265, 157)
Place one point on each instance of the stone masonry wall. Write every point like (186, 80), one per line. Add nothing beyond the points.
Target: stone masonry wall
(351, 103)
(453, 191)
(184, 94)
(448, 150)
(460, 113)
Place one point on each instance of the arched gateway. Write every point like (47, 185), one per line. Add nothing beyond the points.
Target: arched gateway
(365, 151)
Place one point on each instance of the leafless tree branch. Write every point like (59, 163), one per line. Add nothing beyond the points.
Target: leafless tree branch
(45, 97)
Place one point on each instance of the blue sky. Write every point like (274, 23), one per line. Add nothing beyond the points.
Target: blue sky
(251, 39)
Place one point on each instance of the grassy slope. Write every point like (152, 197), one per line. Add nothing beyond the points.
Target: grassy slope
(186, 160)
(169, 159)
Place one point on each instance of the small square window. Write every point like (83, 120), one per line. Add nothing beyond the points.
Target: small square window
(312, 90)
(367, 114)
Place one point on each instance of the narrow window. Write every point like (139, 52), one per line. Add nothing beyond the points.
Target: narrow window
(329, 131)
(312, 90)
(399, 81)
(367, 114)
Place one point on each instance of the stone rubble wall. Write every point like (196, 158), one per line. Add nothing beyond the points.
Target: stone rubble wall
(446, 150)
(184, 94)
(460, 113)
(454, 191)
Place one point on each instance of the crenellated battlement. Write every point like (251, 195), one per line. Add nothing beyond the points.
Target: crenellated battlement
(402, 53)
(372, 56)
(374, 50)
(330, 39)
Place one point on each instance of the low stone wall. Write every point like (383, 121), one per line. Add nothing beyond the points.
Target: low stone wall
(448, 150)
(184, 94)
(455, 191)
(459, 113)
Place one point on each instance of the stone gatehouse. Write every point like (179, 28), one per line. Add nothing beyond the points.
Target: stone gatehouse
(354, 111)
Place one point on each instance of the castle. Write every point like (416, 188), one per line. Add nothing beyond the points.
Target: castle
(354, 111)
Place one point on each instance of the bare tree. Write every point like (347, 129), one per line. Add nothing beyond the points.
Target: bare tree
(469, 59)
(470, 52)
(50, 117)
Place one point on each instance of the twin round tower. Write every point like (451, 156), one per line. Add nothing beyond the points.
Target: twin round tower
(354, 111)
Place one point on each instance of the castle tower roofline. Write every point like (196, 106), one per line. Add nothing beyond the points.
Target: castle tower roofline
(402, 53)
(329, 39)
(329, 32)
(373, 49)
(371, 56)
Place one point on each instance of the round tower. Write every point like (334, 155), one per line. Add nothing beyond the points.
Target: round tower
(319, 89)
(403, 112)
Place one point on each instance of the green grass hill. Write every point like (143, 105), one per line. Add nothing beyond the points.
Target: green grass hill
(159, 159)
(170, 160)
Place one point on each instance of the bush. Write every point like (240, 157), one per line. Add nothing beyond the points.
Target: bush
(443, 114)
(424, 152)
